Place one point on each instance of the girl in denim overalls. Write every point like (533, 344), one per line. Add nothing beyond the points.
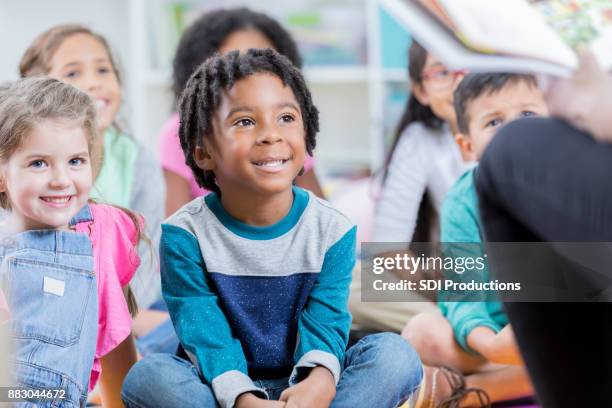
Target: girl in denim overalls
(65, 263)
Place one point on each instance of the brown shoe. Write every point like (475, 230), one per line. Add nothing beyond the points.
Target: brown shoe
(456, 380)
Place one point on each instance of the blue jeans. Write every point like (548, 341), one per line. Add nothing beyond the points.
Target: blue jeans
(381, 370)
(161, 339)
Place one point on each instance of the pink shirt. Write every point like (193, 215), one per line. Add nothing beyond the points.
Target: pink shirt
(113, 238)
(172, 157)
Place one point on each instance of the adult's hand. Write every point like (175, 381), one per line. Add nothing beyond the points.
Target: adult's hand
(585, 99)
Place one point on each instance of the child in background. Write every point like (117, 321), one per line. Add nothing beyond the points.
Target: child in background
(125, 172)
(66, 265)
(256, 274)
(218, 31)
(474, 338)
(423, 163)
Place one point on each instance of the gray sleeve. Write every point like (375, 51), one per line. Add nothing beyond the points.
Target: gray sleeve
(398, 205)
(148, 198)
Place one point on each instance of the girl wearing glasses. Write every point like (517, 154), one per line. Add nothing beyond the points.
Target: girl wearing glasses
(422, 165)
(424, 160)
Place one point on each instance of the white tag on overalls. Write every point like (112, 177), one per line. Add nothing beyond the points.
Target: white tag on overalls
(54, 286)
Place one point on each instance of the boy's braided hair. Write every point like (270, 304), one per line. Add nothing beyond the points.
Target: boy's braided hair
(203, 92)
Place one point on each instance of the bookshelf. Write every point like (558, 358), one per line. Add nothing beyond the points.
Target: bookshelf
(358, 98)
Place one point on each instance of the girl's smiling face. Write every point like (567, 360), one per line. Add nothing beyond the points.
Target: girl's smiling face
(83, 61)
(258, 145)
(48, 178)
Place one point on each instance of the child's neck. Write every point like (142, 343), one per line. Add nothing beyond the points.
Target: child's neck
(257, 210)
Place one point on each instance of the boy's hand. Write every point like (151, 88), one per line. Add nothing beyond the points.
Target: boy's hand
(315, 391)
(500, 348)
(249, 400)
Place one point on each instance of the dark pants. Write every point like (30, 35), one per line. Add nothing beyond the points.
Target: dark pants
(542, 180)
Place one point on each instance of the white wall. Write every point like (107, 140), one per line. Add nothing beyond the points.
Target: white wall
(22, 20)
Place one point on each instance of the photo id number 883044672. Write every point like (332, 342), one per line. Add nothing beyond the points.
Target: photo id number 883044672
(16, 394)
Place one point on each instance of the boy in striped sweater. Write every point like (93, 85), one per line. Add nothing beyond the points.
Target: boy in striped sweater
(256, 275)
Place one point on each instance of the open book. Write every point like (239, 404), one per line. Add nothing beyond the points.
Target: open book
(532, 36)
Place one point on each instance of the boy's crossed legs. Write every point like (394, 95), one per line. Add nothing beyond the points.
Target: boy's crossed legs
(381, 370)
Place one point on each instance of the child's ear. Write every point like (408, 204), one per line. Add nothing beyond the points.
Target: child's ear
(466, 146)
(203, 158)
(420, 94)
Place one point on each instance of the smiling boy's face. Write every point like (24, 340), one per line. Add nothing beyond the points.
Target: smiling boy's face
(490, 111)
(258, 147)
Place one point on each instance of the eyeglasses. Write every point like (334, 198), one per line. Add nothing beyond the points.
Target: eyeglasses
(442, 78)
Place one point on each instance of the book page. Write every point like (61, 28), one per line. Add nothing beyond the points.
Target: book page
(429, 30)
(511, 27)
(581, 22)
(439, 13)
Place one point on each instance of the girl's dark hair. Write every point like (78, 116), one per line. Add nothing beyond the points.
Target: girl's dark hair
(204, 37)
(417, 112)
(414, 111)
(203, 92)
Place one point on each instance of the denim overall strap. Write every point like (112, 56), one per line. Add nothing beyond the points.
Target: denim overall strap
(84, 215)
(50, 284)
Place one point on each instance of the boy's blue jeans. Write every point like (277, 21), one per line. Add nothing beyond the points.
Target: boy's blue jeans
(381, 370)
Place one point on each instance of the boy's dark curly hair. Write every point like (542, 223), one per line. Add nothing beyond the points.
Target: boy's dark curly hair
(203, 92)
(203, 38)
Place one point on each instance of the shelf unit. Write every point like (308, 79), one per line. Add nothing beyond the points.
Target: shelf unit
(351, 98)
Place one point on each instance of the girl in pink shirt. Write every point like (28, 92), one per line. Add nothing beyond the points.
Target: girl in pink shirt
(219, 31)
(66, 264)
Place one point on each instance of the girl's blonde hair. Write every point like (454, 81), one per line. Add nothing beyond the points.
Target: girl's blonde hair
(27, 102)
(37, 58)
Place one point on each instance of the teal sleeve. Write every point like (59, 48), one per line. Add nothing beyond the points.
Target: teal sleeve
(325, 322)
(459, 224)
(199, 321)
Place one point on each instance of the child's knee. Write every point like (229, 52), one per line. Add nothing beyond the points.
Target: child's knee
(397, 359)
(141, 374)
(431, 337)
(147, 377)
(418, 332)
